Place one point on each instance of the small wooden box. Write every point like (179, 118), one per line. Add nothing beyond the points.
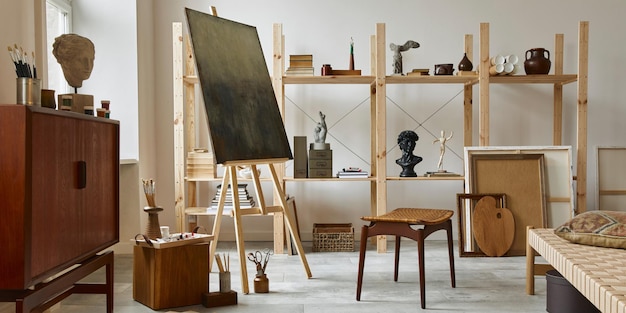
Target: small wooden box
(215, 299)
(78, 102)
(333, 237)
(171, 277)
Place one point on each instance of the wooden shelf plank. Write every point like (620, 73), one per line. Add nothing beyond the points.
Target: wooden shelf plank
(427, 178)
(534, 79)
(347, 79)
(436, 79)
(334, 179)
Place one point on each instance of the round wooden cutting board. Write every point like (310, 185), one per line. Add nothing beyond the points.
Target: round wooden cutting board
(493, 228)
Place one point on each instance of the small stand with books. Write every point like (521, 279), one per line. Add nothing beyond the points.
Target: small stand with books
(352, 172)
(441, 173)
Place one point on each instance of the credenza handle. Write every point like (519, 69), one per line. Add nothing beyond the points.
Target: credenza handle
(81, 170)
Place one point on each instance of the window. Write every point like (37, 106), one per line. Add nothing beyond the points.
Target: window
(59, 22)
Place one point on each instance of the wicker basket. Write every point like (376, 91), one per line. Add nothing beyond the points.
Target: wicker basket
(333, 237)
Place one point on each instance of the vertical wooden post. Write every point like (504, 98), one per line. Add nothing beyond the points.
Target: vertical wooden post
(279, 91)
(381, 134)
(468, 94)
(581, 149)
(179, 140)
(557, 123)
(483, 73)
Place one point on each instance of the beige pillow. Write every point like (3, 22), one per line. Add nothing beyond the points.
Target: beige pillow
(596, 228)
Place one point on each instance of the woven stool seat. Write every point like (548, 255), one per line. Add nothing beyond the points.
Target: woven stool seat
(413, 216)
(400, 223)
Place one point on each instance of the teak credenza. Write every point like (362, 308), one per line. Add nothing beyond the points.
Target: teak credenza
(60, 204)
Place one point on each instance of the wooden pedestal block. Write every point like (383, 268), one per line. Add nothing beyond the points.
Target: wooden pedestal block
(78, 103)
(170, 277)
(215, 299)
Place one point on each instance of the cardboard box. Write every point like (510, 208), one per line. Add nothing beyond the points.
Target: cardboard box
(300, 158)
(320, 163)
(171, 277)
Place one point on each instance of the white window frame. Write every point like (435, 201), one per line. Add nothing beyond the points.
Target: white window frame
(56, 80)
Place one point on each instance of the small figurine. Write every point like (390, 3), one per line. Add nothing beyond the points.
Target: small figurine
(442, 148)
(397, 56)
(406, 141)
(320, 129)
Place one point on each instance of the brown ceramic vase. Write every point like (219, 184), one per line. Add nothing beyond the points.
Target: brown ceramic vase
(537, 61)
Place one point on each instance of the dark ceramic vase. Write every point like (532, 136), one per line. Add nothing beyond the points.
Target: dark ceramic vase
(465, 64)
(537, 61)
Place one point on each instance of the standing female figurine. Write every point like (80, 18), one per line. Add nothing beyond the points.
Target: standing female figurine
(442, 148)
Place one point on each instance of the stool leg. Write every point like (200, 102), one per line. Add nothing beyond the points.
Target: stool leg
(362, 249)
(420, 257)
(451, 253)
(397, 258)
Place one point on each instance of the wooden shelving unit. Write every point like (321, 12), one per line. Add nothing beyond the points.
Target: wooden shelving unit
(380, 80)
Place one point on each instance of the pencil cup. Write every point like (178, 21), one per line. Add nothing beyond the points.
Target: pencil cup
(165, 232)
(261, 284)
(29, 91)
(224, 282)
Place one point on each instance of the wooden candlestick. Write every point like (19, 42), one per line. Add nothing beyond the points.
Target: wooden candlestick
(153, 229)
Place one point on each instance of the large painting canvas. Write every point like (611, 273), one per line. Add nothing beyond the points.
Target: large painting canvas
(242, 112)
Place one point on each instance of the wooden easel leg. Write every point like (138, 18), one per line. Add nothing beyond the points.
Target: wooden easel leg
(217, 222)
(290, 222)
(238, 233)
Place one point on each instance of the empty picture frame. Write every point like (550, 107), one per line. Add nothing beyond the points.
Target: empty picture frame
(521, 178)
(611, 185)
(466, 202)
(242, 112)
(558, 175)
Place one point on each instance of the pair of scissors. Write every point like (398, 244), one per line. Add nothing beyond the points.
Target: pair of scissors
(257, 258)
(268, 252)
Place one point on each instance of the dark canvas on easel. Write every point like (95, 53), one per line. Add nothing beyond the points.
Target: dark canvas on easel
(242, 112)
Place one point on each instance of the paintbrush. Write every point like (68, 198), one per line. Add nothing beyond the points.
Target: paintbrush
(27, 66)
(149, 190)
(18, 55)
(17, 68)
(34, 66)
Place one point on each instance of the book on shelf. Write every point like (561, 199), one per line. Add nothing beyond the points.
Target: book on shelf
(300, 57)
(300, 64)
(352, 172)
(245, 200)
(308, 71)
(441, 174)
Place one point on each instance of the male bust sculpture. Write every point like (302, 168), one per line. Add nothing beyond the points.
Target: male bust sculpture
(76, 55)
(406, 141)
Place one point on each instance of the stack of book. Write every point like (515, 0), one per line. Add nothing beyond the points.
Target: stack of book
(200, 164)
(300, 64)
(418, 72)
(245, 200)
(352, 172)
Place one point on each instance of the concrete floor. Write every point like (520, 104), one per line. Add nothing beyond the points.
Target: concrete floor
(482, 284)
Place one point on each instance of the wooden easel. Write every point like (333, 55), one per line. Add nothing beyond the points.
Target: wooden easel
(230, 177)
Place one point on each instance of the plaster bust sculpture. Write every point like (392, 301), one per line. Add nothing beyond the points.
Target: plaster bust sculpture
(397, 56)
(76, 55)
(406, 141)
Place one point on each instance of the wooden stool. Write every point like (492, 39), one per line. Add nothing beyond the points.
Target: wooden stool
(398, 223)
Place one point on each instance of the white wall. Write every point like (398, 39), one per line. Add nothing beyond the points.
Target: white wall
(521, 115)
